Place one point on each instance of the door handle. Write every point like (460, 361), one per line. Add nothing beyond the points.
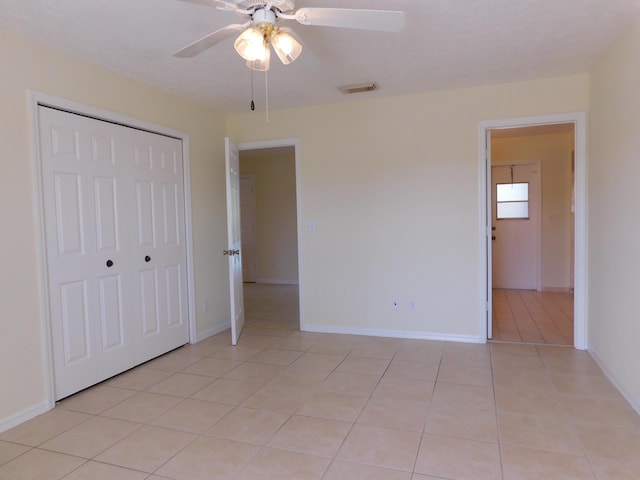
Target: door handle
(109, 263)
(493, 237)
(231, 253)
(147, 259)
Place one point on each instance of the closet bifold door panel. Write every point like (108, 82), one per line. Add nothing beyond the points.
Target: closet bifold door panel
(115, 244)
(159, 245)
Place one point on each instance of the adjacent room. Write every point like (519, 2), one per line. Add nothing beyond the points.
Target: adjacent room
(391, 240)
(533, 237)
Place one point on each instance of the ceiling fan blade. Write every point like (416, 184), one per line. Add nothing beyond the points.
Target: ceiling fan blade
(224, 4)
(209, 41)
(381, 20)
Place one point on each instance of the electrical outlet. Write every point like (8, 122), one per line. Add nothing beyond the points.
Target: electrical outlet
(395, 305)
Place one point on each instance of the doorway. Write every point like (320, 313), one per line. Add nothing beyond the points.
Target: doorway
(561, 269)
(270, 217)
(531, 199)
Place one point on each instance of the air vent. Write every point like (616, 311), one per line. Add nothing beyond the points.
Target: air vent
(364, 87)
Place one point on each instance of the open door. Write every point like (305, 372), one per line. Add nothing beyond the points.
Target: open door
(232, 164)
(516, 212)
(489, 235)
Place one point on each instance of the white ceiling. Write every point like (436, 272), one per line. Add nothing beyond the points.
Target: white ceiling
(445, 44)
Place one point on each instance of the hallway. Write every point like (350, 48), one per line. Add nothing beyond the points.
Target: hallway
(529, 316)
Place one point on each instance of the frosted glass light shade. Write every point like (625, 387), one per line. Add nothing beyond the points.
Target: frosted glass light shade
(261, 63)
(250, 44)
(287, 48)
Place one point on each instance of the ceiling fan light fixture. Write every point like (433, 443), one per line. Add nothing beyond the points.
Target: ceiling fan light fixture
(286, 47)
(250, 44)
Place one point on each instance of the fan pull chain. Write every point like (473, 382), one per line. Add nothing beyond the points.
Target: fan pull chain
(253, 105)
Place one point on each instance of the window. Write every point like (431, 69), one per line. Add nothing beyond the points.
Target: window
(512, 200)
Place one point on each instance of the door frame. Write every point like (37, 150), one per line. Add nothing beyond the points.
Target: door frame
(295, 143)
(538, 222)
(36, 99)
(579, 120)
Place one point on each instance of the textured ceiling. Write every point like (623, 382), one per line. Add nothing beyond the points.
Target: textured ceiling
(445, 44)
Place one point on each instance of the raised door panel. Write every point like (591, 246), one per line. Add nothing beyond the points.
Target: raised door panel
(174, 296)
(76, 329)
(170, 215)
(149, 303)
(68, 204)
(107, 235)
(111, 315)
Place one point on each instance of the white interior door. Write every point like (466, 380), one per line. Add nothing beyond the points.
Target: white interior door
(248, 227)
(232, 164)
(158, 251)
(109, 202)
(89, 285)
(488, 233)
(515, 213)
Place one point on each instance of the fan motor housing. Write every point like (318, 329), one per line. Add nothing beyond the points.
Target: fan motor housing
(284, 6)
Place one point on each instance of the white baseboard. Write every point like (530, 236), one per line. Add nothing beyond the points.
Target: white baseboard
(24, 415)
(634, 402)
(392, 333)
(276, 281)
(558, 289)
(213, 331)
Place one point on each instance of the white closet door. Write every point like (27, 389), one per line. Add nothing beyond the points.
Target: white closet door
(95, 266)
(159, 259)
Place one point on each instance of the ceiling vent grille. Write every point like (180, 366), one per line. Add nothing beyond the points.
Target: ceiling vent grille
(364, 87)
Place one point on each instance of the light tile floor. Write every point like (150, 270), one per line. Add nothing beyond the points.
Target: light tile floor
(285, 404)
(529, 316)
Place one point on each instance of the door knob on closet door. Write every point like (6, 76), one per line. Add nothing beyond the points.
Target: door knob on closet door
(147, 259)
(109, 263)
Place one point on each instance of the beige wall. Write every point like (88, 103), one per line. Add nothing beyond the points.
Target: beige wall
(393, 187)
(274, 171)
(614, 221)
(30, 66)
(554, 153)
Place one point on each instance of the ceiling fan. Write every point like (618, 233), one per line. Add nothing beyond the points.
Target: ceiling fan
(262, 30)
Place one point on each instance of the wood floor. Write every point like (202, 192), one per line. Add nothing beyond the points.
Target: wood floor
(529, 316)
